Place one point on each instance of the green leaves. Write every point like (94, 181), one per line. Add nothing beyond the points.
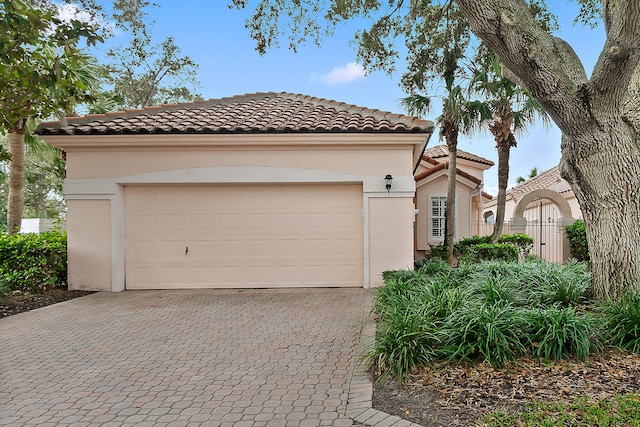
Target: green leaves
(29, 262)
(491, 311)
(40, 54)
(578, 245)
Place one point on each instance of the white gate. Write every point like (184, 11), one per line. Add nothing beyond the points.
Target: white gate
(542, 225)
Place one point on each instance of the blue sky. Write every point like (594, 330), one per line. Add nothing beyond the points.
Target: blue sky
(214, 36)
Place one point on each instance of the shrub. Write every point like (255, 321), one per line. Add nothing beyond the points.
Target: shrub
(32, 262)
(523, 242)
(563, 332)
(623, 322)
(493, 311)
(577, 235)
(491, 251)
(437, 252)
(462, 247)
(495, 333)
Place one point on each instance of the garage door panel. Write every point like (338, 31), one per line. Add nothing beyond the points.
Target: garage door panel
(175, 222)
(244, 236)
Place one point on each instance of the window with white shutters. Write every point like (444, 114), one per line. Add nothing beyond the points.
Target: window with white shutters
(437, 220)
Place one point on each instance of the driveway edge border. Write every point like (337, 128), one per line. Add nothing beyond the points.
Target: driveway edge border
(359, 402)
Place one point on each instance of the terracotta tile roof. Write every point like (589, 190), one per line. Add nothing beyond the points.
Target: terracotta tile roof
(549, 179)
(430, 160)
(442, 166)
(267, 112)
(440, 151)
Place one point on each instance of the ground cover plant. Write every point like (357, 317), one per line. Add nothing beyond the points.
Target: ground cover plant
(492, 311)
(517, 325)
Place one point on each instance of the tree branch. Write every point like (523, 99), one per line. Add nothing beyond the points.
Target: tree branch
(544, 64)
(621, 53)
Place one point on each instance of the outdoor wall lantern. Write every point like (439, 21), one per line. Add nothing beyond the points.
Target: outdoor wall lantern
(387, 182)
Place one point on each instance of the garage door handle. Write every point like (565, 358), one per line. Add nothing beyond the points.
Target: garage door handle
(186, 251)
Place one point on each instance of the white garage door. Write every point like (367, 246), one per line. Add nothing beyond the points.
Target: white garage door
(243, 236)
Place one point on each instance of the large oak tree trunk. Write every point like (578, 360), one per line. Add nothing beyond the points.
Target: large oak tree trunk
(598, 117)
(603, 168)
(16, 179)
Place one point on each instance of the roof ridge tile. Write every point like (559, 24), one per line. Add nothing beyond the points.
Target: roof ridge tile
(256, 112)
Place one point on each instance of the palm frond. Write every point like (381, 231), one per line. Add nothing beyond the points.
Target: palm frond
(417, 105)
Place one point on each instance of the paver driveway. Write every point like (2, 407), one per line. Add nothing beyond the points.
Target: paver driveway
(188, 357)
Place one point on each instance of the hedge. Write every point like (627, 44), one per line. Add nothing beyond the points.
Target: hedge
(32, 262)
(577, 235)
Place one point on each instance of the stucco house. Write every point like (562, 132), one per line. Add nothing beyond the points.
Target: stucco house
(547, 180)
(540, 207)
(259, 190)
(431, 179)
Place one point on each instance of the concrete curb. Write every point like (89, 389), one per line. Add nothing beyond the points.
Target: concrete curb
(359, 403)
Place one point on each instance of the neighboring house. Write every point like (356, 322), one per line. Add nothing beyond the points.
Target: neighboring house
(261, 190)
(540, 207)
(547, 180)
(431, 194)
(40, 225)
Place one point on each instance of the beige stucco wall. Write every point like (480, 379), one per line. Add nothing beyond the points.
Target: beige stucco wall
(124, 163)
(472, 168)
(390, 236)
(510, 207)
(438, 187)
(100, 168)
(89, 244)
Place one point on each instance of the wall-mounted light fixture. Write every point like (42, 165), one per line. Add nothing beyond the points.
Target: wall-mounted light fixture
(387, 182)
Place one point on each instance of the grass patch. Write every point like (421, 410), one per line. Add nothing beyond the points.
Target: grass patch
(621, 411)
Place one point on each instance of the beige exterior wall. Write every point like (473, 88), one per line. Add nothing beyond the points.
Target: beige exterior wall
(464, 209)
(390, 236)
(89, 244)
(340, 154)
(510, 207)
(472, 168)
(99, 169)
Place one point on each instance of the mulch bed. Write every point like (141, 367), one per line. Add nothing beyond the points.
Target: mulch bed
(19, 302)
(460, 395)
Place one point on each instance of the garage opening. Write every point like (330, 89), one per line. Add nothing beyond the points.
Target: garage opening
(243, 236)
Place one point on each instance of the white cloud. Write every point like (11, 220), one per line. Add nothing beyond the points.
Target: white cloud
(344, 74)
(69, 11)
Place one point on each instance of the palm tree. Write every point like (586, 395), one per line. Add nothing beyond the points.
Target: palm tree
(459, 114)
(38, 78)
(512, 109)
(533, 173)
(85, 76)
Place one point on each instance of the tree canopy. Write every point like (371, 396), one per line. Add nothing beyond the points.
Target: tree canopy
(597, 115)
(40, 52)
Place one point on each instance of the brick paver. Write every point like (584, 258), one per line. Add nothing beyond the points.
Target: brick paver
(189, 357)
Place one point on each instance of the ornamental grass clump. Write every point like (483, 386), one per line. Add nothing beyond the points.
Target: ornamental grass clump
(495, 333)
(492, 311)
(623, 322)
(561, 333)
(404, 340)
(564, 284)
